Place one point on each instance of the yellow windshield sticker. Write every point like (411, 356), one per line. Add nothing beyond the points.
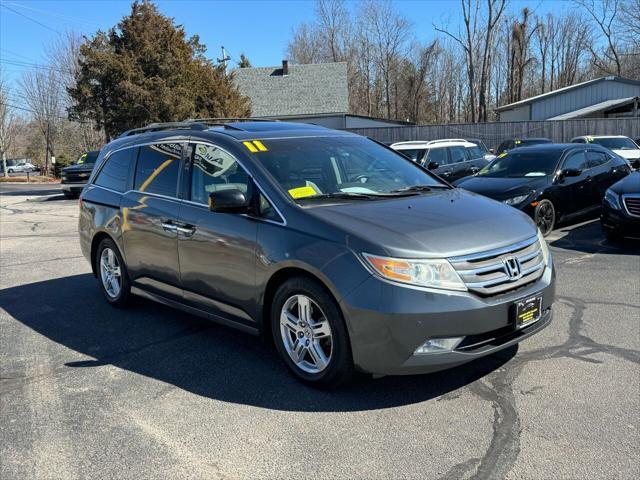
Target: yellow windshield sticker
(302, 192)
(260, 146)
(589, 139)
(503, 154)
(518, 142)
(252, 148)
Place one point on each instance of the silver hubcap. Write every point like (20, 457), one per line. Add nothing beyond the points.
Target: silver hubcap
(110, 273)
(306, 334)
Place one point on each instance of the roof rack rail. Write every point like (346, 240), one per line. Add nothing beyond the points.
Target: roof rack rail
(443, 140)
(186, 125)
(230, 119)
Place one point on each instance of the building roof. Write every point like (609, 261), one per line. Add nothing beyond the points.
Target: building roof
(607, 104)
(530, 100)
(306, 89)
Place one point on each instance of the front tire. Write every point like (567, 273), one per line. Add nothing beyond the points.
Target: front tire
(112, 274)
(545, 217)
(310, 333)
(69, 195)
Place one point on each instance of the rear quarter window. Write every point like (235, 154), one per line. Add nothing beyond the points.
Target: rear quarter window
(115, 172)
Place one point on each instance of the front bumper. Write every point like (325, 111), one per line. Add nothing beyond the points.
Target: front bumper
(619, 221)
(73, 187)
(387, 323)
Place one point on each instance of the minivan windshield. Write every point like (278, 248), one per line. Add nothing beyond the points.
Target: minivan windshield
(522, 164)
(342, 167)
(615, 143)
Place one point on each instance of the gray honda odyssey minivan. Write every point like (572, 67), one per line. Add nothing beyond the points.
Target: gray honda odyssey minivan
(344, 253)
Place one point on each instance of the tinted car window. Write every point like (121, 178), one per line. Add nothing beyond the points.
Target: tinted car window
(576, 161)
(616, 143)
(518, 164)
(157, 169)
(474, 153)
(115, 172)
(213, 170)
(532, 141)
(457, 154)
(438, 155)
(595, 158)
(415, 154)
(88, 158)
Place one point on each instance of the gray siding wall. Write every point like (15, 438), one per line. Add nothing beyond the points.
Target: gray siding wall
(494, 133)
(518, 114)
(581, 97)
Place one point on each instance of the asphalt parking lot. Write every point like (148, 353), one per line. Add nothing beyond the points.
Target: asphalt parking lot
(88, 391)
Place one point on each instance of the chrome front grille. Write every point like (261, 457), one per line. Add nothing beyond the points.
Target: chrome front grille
(632, 204)
(500, 270)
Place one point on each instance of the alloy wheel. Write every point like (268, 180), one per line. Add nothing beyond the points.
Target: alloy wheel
(110, 273)
(545, 218)
(306, 334)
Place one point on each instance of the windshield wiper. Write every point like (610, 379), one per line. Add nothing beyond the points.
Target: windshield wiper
(419, 188)
(344, 195)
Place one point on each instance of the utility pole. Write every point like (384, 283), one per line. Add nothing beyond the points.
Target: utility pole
(223, 61)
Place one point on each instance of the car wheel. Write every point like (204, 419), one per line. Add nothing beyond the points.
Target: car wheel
(612, 235)
(69, 195)
(310, 333)
(10, 170)
(112, 274)
(545, 217)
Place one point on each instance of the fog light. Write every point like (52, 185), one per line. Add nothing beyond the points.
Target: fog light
(438, 345)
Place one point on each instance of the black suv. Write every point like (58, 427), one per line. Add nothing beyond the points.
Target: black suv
(346, 254)
(75, 177)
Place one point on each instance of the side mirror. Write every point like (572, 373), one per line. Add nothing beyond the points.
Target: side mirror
(568, 172)
(228, 201)
(432, 165)
(492, 150)
(636, 164)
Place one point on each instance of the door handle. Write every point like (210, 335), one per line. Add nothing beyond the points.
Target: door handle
(186, 230)
(169, 227)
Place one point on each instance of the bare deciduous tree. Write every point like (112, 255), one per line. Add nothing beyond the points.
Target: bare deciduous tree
(7, 123)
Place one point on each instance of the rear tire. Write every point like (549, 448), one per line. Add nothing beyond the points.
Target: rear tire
(310, 333)
(545, 217)
(112, 274)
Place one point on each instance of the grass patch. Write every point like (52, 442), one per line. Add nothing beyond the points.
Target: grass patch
(32, 179)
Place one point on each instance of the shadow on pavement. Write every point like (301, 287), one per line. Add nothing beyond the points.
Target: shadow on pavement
(589, 238)
(202, 357)
(26, 191)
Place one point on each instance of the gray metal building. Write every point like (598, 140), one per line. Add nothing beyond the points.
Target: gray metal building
(605, 97)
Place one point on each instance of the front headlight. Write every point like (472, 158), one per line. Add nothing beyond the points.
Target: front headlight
(433, 273)
(544, 247)
(612, 199)
(516, 200)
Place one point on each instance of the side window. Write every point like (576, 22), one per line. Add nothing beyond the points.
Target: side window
(115, 172)
(576, 161)
(213, 170)
(503, 146)
(457, 154)
(595, 158)
(437, 155)
(267, 211)
(474, 153)
(157, 169)
(578, 140)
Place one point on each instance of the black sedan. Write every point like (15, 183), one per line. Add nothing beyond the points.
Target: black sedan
(621, 208)
(551, 182)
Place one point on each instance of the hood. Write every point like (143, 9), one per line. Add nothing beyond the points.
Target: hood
(86, 167)
(627, 154)
(435, 224)
(503, 188)
(629, 184)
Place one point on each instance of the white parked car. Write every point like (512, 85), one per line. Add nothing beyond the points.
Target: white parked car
(618, 144)
(451, 159)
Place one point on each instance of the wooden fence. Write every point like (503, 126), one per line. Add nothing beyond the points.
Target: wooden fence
(494, 133)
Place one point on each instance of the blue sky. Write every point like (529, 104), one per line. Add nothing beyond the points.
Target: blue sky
(259, 28)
